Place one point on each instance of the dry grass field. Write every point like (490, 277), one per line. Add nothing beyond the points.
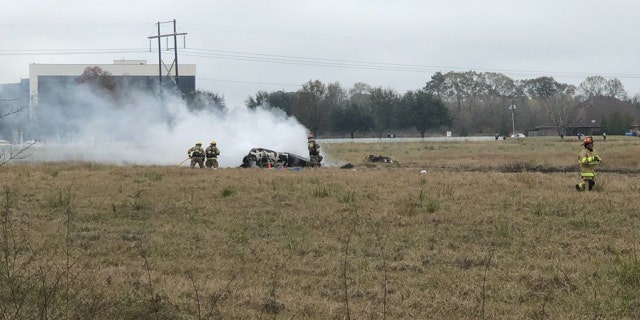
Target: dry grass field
(493, 230)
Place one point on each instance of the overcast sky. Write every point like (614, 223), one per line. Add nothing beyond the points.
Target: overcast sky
(242, 47)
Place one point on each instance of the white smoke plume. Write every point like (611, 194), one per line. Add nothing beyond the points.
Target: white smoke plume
(148, 130)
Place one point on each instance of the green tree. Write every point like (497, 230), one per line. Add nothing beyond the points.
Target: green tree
(616, 123)
(278, 99)
(437, 85)
(384, 104)
(604, 125)
(547, 87)
(314, 103)
(206, 100)
(261, 98)
(426, 111)
(353, 118)
(282, 100)
(336, 97)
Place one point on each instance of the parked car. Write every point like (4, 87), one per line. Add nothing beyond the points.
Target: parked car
(518, 135)
(4, 143)
(32, 143)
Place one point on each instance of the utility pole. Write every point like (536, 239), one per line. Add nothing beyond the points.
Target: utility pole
(513, 119)
(161, 63)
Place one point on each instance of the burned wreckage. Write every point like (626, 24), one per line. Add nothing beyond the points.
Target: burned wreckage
(265, 158)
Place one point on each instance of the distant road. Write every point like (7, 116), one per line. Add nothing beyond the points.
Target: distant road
(389, 140)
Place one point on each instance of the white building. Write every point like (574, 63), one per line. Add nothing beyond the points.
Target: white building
(41, 75)
(47, 83)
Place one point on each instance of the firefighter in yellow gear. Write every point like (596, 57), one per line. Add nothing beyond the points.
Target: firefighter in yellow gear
(587, 160)
(314, 151)
(196, 153)
(212, 152)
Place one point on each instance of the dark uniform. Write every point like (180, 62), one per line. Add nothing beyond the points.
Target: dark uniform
(314, 151)
(196, 154)
(212, 153)
(587, 159)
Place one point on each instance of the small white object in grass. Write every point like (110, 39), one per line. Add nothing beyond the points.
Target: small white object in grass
(423, 171)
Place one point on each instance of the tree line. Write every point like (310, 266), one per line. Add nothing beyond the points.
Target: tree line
(464, 102)
(330, 108)
(467, 103)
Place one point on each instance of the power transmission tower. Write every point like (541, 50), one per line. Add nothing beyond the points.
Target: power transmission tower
(161, 64)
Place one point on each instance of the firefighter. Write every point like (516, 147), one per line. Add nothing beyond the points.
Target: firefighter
(587, 160)
(314, 151)
(212, 153)
(196, 153)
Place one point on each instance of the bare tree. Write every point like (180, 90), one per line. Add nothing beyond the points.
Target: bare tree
(500, 85)
(360, 88)
(98, 79)
(614, 88)
(9, 152)
(306, 105)
(593, 86)
(360, 94)
(7, 111)
(563, 111)
(636, 99)
(314, 103)
(598, 86)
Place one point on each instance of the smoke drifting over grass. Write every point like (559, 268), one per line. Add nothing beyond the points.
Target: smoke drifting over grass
(149, 130)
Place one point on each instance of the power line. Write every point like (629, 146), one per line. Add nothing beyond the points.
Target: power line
(320, 63)
(311, 61)
(56, 52)
(251, 82)
(372, 65)
(361, 38)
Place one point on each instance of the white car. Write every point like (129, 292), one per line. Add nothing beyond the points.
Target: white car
(4, 143)
(518, 135)
(32, 143)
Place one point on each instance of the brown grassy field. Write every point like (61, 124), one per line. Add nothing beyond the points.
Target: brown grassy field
(493, 230)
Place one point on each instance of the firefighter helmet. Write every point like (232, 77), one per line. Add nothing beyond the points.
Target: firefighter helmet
(213, 142)
(587, 140)
(198, 143)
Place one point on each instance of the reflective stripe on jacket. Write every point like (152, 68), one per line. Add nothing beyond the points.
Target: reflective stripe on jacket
(196, 152)
(587, 161)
